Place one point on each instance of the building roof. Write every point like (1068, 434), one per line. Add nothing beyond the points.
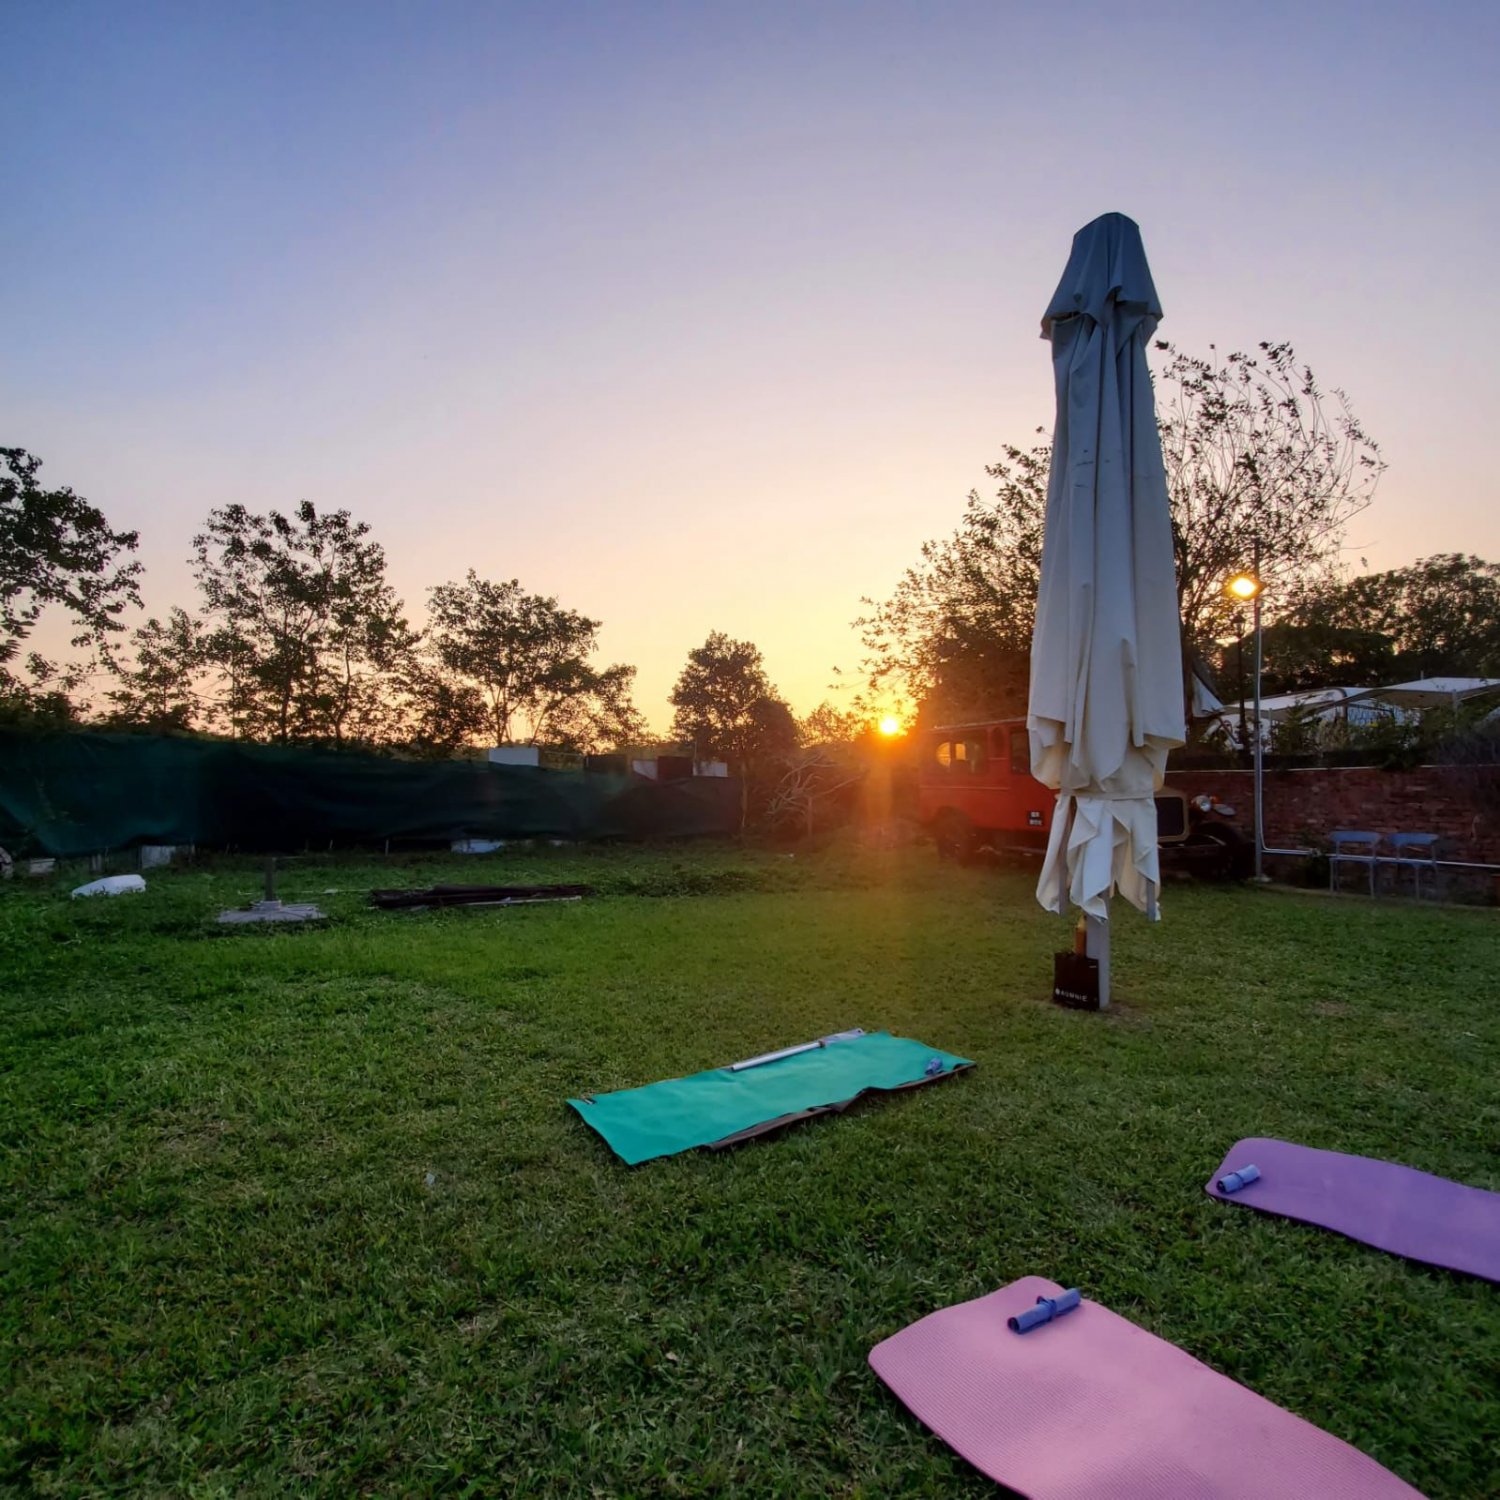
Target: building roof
(1424, 692)
(1278, 705)
(1436, 692)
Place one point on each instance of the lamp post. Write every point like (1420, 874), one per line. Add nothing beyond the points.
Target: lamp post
(1247, 588)
(1239, 656)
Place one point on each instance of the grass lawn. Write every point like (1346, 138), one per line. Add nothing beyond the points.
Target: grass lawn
(302, 1212)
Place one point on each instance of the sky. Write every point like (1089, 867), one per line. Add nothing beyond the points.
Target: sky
(705, 316)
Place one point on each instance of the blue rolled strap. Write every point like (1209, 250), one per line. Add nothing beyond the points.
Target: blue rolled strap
(1045, 1310)
(1232, 1182)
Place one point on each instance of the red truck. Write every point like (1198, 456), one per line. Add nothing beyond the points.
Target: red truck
(975, 790)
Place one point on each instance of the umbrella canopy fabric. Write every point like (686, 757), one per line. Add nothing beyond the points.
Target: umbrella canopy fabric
(1106, 654)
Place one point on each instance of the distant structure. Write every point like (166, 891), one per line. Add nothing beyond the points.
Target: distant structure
(1363, 707)
(547, 757)
(656, 762)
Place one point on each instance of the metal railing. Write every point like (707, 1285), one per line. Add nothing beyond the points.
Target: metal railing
(1389, 859)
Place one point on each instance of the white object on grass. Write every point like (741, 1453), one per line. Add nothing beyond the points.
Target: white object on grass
(112, 885)
(273, 911)
(770, 1057)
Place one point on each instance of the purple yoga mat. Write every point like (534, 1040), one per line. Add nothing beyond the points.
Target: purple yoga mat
(1091, 1407)
(1392, 1207)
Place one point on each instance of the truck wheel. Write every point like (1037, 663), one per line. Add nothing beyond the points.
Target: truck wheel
(955, 838)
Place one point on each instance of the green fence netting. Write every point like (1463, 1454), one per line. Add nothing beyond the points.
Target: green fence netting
(72, 794)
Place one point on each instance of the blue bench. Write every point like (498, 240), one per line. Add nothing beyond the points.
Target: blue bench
(1353, 846)
(1415, 852)
(1362, 848)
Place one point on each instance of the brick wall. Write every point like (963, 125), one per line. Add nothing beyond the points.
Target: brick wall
(1462, 803)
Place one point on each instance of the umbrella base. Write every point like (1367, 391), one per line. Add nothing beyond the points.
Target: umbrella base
(1075, 981)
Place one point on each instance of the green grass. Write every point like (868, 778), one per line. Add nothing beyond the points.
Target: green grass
(302, 1212)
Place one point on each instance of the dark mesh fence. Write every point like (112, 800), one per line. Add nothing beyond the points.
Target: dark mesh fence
(74, 794)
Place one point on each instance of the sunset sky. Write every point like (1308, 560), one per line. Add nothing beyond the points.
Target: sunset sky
(704, 316)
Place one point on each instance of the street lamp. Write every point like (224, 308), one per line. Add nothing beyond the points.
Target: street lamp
(1241, 630)
(1247, 589)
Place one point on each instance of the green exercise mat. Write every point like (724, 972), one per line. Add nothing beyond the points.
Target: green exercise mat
(723, 1105)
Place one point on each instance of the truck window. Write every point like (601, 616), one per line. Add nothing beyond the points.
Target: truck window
(965, 756)
(1020, 753)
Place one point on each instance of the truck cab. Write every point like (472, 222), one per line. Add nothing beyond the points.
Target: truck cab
(975, 790)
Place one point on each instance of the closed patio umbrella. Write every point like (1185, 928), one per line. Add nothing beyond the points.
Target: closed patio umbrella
(1106, 653)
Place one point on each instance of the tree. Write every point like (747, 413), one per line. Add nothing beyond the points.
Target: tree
(300, 622)
(504, 665)
(161, 691)
(605, 718)
(808, 782)
(444, 712)
(1260, 464)
(955, 636)
(726, 706)
(723, 703)
(827, 725)
(1441, 615)
(55, 550)
(44, 698)
(771, 733)
(1300, 654)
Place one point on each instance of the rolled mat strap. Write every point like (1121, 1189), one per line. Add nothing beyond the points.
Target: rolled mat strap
(1045, 1310)
(1232, 1182)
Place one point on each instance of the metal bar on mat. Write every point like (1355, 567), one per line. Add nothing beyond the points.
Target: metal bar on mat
(522, 901)
(770, 1057)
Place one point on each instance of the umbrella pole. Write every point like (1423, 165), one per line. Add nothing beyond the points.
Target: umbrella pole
(1096, 945)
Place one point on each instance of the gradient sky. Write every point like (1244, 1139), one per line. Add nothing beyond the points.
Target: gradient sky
(704, 316)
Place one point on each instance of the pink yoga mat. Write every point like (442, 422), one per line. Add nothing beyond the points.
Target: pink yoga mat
(1392, 1207)
(1091, 1407)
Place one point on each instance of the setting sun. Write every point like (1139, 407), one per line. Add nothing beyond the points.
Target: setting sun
(890, 725)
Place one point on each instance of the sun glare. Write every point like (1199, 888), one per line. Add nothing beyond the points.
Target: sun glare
(890, 725)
